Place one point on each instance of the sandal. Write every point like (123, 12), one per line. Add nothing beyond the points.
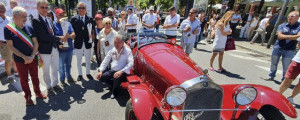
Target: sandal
(211, 69)
(222, 70)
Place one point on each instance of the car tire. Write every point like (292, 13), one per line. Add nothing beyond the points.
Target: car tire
(270, 113)
(129, 113)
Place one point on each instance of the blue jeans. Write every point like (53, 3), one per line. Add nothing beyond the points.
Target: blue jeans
(198, 39)
(287, 56)
(65, 59)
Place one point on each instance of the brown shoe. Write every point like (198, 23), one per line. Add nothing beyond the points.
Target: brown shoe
(29, 102)
(41, 96)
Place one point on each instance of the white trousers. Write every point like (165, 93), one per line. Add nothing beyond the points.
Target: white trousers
(53, 61)
(87, 55)
(245, 30)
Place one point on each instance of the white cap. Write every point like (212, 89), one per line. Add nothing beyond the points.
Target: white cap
(151, 8)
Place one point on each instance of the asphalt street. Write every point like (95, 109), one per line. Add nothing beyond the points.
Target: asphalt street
(90, 99)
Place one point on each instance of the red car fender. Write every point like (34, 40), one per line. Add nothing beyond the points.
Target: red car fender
(265, 96)
(142, 101)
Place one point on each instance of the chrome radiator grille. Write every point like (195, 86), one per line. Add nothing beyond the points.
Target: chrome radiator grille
(204, 95)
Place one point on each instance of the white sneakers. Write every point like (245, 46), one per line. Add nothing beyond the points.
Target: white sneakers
(291, 100)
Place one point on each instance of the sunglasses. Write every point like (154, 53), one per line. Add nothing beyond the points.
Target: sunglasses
(81, 7)
(292, 16)
(192, 12)
(107, 23)
(43, 7)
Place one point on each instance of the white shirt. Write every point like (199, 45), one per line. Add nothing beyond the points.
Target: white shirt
(236, 17)
(150, 20)
(2, 25)
(249, 18)
(123, 63)
(263, 23)
(132, 19)
(254, 22)
(103, 38)
(82, 18)
(299, 20)
(9, 12)
(189, 37)
(174, 20)
(297, 57)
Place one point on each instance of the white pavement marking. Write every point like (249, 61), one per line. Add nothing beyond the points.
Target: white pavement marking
(247, 52)
(268, 69)
(249, 58)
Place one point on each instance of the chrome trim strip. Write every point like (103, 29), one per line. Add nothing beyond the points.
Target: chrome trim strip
(191, 82)
(195, 110)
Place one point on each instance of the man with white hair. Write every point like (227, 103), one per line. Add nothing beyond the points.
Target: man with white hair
(121, 62)
(48, 46)
(5, 52)
(12, 4)
(261, 30)
(149, 20)
(25, 52)
(82, 42)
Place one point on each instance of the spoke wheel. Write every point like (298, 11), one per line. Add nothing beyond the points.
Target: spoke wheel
(129, 113)
(269, 113)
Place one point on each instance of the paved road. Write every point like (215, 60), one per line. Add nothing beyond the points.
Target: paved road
(90, 99)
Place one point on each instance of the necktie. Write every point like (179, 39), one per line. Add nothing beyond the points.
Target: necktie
(49, 28)
(82, 20)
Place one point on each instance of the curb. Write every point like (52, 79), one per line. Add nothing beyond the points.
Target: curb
(256, 51)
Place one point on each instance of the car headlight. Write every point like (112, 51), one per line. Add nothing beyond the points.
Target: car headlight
(245, 95)
(175, 96)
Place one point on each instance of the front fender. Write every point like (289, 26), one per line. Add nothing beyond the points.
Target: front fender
(265, 96)
(142, 101)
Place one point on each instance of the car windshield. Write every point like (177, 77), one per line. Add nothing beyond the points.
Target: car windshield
(148, 37)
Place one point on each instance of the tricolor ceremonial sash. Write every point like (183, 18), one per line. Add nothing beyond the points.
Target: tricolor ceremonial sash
(25, 38)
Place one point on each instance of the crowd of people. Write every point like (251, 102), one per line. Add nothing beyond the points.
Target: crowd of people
(50, 39)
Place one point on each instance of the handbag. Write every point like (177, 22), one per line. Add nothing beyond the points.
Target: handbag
(230, 45)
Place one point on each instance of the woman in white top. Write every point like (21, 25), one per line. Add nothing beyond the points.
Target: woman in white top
(212, 22)
(106, 37)
(122, 22)
(253, 25)
(222, 30)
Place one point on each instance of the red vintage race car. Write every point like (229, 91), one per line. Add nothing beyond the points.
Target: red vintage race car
(167, 84)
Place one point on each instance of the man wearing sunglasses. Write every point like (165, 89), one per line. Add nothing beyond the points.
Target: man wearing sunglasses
(82, 43)
(285, 45)
(48, 46)
(149, 20)
(191, 27)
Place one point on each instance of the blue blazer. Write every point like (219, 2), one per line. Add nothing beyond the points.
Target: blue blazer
(45, 39)
(81, 31)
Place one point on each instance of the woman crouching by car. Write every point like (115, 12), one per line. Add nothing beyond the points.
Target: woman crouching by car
(222, 31)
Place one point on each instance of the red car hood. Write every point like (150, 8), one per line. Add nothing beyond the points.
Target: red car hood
(170, 62)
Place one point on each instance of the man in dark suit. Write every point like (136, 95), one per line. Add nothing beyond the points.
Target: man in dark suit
(83, 39)
(48, 46)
